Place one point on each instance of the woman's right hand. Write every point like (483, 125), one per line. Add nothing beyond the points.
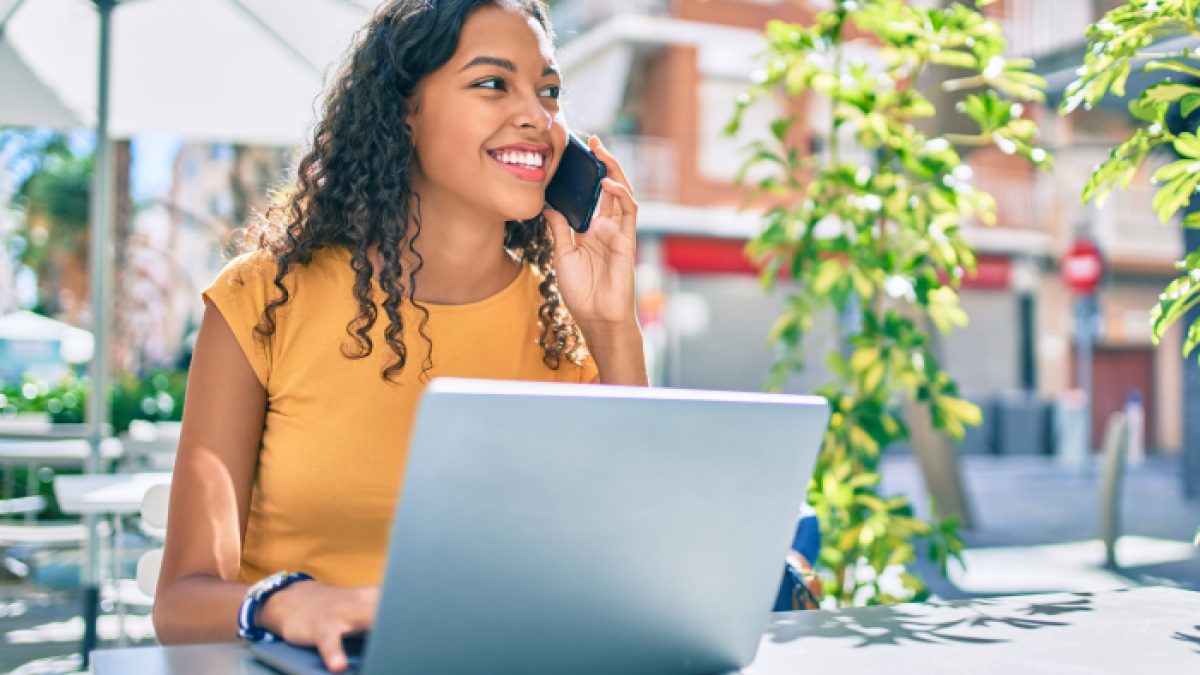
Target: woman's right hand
(311, 613)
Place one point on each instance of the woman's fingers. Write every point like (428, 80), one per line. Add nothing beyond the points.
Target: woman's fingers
(614, 167)
(627, 206)
(329, 644)
(561, 231)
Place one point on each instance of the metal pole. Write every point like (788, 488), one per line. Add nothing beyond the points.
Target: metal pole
(98, 375)
(1025, 308)
(1190, 456)
(1085, 309)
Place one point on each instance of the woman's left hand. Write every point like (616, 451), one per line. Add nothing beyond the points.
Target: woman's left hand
(595, 269)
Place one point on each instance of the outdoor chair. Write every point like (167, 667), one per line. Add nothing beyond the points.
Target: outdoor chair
(150, 446)
(21, 541)
(154, 523)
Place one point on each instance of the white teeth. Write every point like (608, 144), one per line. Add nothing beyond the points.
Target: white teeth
(530, 160)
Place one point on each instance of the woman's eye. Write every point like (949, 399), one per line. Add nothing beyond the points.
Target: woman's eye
(490, 83)
(552, 91)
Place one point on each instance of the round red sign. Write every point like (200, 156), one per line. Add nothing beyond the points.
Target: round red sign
(1082, 267)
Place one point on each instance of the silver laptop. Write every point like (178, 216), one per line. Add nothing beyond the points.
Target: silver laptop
(565, 528)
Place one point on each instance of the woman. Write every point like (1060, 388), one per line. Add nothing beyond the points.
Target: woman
(422, 196)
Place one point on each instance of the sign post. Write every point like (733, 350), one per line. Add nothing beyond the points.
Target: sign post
(1082, 270)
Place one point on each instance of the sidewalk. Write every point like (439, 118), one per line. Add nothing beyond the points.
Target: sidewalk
(1035, 531)
(1036, 527)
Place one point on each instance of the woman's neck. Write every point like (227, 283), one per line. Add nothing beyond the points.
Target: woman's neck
(463, 254)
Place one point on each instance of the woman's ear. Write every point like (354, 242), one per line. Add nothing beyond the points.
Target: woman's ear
(412, 117)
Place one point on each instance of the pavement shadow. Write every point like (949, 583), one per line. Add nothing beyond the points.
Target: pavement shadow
(1193, 639)
(900, 624)
(1176, 574)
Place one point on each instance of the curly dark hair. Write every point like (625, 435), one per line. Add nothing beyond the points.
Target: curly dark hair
(353, 185)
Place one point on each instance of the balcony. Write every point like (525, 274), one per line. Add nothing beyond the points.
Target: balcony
(650, 163)
(1038, 27)
(1126, 228)
(1021, 204)
(574, 17)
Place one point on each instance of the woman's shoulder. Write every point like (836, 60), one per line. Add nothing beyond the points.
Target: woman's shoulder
(262, 266)
(248, 267)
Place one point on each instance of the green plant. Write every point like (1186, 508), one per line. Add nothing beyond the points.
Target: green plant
(156, 397)
(878, 242)
(1123, 42)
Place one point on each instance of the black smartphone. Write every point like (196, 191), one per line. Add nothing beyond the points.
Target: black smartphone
(575, 189)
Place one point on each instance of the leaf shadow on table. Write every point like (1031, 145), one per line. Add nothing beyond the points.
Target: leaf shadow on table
(1193, 639)
(898, 624)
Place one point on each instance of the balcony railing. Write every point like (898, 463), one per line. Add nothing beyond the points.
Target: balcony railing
(1126, 226)
(1020, 198)
(650, 163)
(1038, 27)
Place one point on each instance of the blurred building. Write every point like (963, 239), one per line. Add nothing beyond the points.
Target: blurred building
(657, 80)
(179, 240)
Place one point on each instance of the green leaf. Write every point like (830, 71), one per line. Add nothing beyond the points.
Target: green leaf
(961, 409)
(780, 127)
(1174, 195)
(1168, 92)
(1189, 103)
(1187, 144)
(1171, 171)
(829, 272)
(957, 59)
(1172, 65)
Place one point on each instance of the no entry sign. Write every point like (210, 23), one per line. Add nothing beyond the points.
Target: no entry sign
(1082, 267)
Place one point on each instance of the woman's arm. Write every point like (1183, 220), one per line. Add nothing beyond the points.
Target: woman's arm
(198, 592)
(618, 354)
(595, 276)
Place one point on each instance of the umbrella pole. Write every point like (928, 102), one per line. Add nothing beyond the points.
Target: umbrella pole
(98, 375)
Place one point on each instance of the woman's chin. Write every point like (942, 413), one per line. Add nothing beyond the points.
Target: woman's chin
(523, 212)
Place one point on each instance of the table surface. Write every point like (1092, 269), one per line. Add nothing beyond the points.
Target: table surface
(33, 427)
(47, 452)
(1145, 630)
(105, 493)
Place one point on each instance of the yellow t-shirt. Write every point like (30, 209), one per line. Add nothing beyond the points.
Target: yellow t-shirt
(336, 434)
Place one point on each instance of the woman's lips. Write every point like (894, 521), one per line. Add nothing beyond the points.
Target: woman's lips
(524, 173)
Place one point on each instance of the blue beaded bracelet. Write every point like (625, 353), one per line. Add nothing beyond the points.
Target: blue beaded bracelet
(256, 596)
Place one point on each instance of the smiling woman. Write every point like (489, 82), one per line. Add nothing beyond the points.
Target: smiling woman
(415, 243)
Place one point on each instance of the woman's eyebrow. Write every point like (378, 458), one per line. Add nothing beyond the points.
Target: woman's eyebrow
(505, 64)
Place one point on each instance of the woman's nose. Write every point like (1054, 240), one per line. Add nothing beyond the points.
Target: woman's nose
(533, 115)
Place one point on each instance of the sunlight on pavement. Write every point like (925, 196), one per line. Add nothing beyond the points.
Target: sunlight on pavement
(1076, 566)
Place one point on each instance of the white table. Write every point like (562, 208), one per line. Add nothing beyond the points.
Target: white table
(40, 427)
(108, 495)
(105, 494)
(1146, 630)
(59, 454)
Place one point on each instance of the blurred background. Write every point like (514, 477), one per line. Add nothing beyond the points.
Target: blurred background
(204, 133)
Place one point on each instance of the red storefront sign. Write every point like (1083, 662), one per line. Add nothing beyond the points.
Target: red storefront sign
(707, 255)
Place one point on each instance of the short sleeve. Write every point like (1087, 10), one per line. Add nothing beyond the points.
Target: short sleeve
(589, 372)
(240, 292)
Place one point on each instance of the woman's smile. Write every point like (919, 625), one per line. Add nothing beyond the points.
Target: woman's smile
(526, 161)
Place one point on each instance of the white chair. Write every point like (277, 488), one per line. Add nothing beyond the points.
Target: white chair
(32, 535)
(151, 445)
(154, 523)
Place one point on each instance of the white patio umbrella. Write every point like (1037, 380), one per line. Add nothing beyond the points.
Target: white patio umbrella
(25, 326)
(231, 70)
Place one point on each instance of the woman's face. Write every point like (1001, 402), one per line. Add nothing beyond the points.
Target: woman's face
(488, 129)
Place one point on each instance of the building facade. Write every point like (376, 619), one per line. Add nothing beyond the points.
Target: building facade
(657, 79)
